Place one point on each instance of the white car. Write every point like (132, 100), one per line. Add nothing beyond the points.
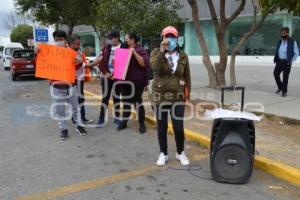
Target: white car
(7, 53)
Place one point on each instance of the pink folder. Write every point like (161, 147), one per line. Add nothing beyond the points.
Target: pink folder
(122, 60)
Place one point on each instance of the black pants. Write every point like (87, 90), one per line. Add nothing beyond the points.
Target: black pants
(282, 66)
(133, 94)
(107, 87)
(177, 114)
(81, 99)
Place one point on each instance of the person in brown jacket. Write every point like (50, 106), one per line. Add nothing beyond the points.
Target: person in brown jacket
(171, 86)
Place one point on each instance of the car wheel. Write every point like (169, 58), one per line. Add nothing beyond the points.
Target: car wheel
(13, 77)
(6, 68)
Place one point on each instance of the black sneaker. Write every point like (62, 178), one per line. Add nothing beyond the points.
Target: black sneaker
(81, 131)
(64, 135)
(142, 129)
(278, 91)
(73, 121)
(122, 126)
(284, 94)
(87, 121)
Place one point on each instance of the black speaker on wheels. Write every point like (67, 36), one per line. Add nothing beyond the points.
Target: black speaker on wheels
(232, 147)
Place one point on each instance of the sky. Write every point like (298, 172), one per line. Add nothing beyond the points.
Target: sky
(6, 7)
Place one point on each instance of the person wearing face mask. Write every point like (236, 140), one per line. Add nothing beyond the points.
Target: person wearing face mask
(135, 82)
(63, 92)
(106, 66)
(286, 53)
(170, 88)
(74, 43)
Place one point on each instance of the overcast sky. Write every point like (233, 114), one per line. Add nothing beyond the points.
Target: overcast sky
(6, 6)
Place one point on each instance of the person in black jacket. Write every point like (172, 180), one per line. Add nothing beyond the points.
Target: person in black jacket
(107, 81)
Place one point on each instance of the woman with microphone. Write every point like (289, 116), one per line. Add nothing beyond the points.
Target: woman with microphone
(170, 88)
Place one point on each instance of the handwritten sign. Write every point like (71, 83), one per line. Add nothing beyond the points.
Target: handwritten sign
(56, 63)
(122, 60)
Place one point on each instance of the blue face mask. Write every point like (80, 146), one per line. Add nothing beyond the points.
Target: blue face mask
(172, 44)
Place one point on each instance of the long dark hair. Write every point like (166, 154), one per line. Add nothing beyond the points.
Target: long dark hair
(134, 36)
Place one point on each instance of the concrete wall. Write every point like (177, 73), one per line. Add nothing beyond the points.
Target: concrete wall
(204, 13)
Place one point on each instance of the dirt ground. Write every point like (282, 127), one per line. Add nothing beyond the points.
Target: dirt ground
(277, 138)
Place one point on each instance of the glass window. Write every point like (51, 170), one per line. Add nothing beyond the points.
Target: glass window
(9, 51)
(23, 54)
(296, 27)
(263, 42)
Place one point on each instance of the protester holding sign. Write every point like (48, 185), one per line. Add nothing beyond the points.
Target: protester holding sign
(62, 86)
(170, 88)
(136, 81)
(106, 65)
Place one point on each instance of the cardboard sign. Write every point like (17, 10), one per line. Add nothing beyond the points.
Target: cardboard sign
(56, 63)
(122, 60)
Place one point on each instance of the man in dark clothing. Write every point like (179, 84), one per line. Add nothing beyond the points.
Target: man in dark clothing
(107, 81)
(137, 76)
(286, 53)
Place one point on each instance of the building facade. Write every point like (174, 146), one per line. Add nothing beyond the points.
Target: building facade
(261, 44)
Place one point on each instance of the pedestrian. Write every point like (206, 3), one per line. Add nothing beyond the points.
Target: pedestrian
(74, 43)
(170, 88)
(106, 67)
(286, 53)
(65, 93)
(136, 81)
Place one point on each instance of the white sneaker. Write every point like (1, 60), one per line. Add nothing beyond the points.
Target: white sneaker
(183, 159)
(162, 159)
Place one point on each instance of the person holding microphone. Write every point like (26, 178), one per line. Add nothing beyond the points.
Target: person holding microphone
(170, 88)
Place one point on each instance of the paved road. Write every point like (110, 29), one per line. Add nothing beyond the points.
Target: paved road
(35, 164)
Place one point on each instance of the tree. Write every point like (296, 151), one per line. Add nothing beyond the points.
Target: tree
(144, 17)
(266, 7)
(221, 23)
(21, 34)
(253, 29)
(13, 19)
(67, 12)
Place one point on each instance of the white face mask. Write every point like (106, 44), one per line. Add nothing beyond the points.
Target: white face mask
(60, 43)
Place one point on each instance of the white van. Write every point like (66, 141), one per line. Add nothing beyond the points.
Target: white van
(7, 53)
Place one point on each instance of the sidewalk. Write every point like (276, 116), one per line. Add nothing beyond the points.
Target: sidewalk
(260, 88)
(275, 138)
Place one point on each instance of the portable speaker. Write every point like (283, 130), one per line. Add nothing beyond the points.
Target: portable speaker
(232, 150)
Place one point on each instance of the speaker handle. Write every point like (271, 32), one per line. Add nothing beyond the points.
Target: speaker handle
(233, 88)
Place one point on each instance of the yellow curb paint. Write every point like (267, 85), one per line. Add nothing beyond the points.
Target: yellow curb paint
(278, 169)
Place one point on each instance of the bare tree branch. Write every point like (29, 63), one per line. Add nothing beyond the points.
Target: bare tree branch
(236, 12)
(13, 19)
(222, 10)
(213, 13)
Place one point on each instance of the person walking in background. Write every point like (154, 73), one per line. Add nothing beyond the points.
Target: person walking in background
(137, 80)
(172, 79)
(286, 53)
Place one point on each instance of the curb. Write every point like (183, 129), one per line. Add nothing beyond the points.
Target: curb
(277, 169)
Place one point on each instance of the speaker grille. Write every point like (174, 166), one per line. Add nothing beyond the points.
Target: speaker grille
(232, 162)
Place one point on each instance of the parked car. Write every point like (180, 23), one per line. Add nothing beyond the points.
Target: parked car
(7, 53)
(22, 63)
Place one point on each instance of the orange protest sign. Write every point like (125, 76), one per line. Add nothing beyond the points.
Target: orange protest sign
(56, 63)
